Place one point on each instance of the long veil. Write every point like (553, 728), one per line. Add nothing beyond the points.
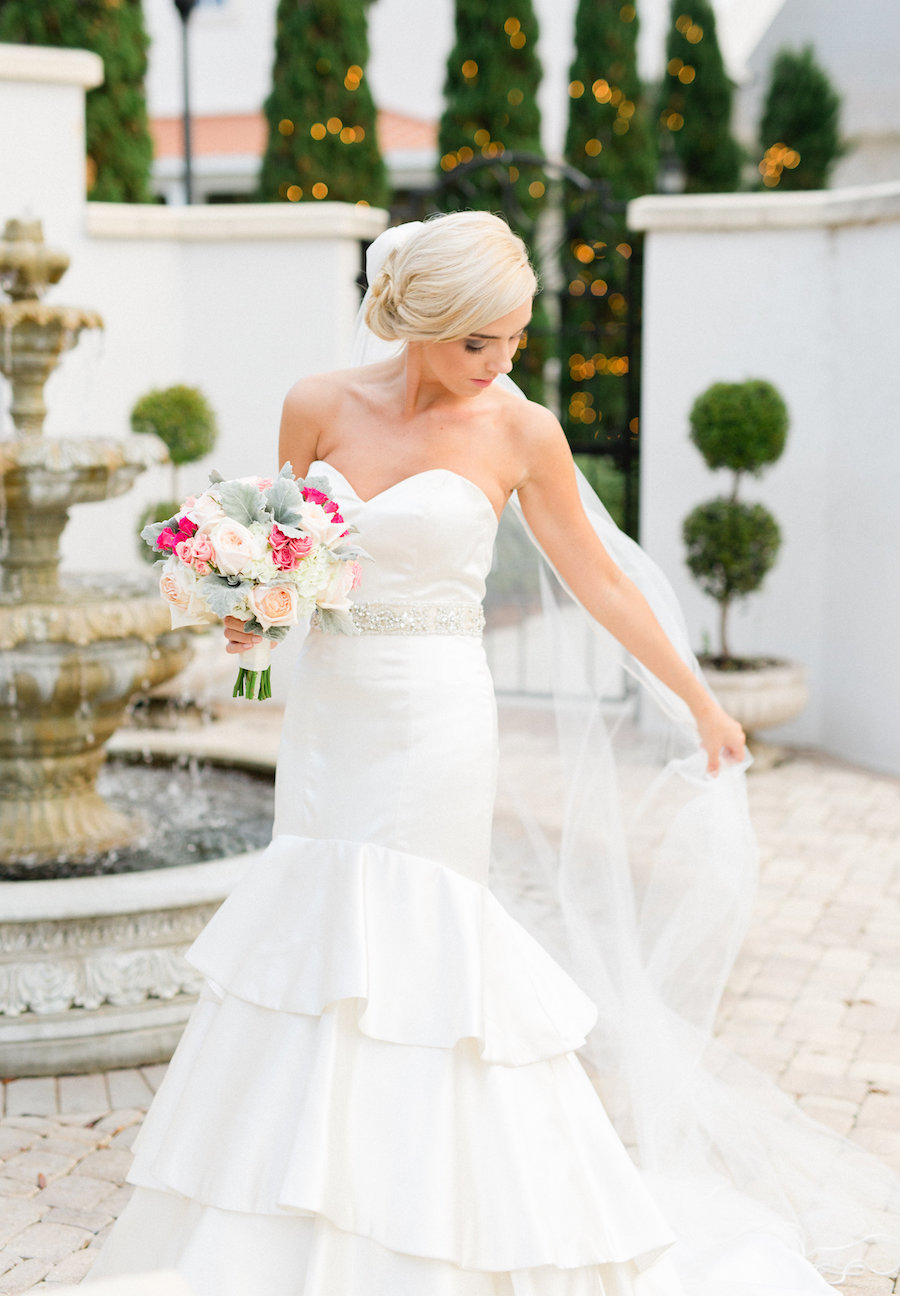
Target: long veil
(638, 871)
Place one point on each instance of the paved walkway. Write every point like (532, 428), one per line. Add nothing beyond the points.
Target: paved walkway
(814, 1000)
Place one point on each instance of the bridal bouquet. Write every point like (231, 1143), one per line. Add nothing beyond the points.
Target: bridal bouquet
(267, 552)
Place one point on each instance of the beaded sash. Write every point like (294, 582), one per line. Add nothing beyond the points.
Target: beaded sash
(417, 618)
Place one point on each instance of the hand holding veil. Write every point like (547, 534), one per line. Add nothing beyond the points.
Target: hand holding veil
(638, 871)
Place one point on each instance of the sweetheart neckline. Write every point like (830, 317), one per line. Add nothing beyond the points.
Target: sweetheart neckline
(425, 472)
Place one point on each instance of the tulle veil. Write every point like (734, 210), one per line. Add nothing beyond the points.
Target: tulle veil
(637, 871)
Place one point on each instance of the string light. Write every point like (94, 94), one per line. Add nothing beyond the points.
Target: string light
(318, 131)
(286, 126)
(319, 190)
(293, 193)
(576, 89)
(469, 69)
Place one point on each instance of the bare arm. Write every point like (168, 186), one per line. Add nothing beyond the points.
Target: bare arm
(550, 501)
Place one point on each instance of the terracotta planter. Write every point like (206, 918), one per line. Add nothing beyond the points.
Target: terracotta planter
(762, 696)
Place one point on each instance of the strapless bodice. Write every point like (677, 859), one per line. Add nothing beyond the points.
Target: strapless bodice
(430, 537)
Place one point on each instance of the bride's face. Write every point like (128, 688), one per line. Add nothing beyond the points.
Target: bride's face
(467, 366)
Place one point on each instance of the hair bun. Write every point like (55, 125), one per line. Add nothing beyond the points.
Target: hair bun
(382, 313)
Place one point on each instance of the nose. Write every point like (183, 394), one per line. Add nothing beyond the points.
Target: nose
(501, 363)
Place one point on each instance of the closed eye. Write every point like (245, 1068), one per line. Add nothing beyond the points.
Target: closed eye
(474, 346)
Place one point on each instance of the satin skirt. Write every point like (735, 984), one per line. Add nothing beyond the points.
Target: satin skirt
(378, 1091)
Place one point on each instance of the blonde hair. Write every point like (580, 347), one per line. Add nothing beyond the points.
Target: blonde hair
(456, 274)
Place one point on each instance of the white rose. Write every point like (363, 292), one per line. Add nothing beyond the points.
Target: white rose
(178, 586)
(317, 523)
(204, 510)
(342, 580)
(235, 548)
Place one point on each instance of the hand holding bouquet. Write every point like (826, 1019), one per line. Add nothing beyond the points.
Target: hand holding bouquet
(267, 552)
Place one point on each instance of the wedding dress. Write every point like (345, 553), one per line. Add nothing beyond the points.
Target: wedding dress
(378, 1093)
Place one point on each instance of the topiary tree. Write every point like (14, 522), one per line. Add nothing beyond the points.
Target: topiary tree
(119, 147)
(695, 102)
(322, 139)
(609, 139)
(185, 422)
(490, 108)
(732, 545)
(800, 129)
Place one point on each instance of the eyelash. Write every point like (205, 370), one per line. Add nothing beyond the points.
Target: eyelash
(471, 346)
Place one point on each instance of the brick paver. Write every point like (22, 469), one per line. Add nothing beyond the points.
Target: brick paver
(814, 1001)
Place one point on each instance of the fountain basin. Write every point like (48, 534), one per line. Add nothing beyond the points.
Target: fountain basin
(92, 974)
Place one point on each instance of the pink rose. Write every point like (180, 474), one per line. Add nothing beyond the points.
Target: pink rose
(274, 605)
(166, 540)
(201, 550)
(264, 483)
(315, 496)
(184, 549)
(287, 551)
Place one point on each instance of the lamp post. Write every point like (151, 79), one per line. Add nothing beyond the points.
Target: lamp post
(185, 9)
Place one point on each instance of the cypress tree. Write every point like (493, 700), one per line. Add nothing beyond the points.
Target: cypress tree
(695, 102)
(119, 147)
(322, 127)
(611, 140)
(491, 107)
(800, 129)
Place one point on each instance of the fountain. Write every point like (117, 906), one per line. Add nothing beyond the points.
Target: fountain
(73, 652)
(87, 963)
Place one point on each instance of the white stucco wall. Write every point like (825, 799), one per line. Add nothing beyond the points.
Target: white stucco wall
(801, 290)
(238, 300)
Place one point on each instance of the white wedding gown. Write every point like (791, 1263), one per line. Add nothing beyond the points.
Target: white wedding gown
(378, 1093)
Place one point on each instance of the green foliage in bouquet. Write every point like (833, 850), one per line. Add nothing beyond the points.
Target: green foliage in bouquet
(800, 136)
(119, 147)
(732, 545)
(322, 139)
(185, 422)
(695, 102)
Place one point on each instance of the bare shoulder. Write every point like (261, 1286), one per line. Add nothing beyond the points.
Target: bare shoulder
(540, 443)
(312, 406)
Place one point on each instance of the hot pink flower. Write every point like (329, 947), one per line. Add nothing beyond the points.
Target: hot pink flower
(287, 551)
(315, 496)
(186, 526)
(166, 539)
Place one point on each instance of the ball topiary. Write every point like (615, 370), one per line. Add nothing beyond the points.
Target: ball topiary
(181, 417)
(741, 426)
(732, 545)
(185, 422)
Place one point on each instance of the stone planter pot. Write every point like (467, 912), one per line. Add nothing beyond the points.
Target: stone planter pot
(763, 696)
(91, 968)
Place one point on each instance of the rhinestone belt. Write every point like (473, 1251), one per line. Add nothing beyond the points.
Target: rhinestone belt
(417, 618)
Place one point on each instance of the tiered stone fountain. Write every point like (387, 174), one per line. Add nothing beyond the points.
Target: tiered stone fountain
(73, 651)
(87, 963)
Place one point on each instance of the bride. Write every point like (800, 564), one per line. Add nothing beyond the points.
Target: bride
(378, 1093)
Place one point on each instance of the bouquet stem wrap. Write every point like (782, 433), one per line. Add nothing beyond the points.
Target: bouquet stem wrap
(253, 678)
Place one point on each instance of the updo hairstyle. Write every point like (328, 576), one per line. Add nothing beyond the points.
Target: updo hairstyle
(454, 275)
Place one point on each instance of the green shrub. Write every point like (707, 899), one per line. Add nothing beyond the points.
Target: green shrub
(185, 422)
(741, 426)
(181, 417)
(732, 545)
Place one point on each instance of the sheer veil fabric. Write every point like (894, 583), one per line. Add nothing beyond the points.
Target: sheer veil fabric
(637, 871)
